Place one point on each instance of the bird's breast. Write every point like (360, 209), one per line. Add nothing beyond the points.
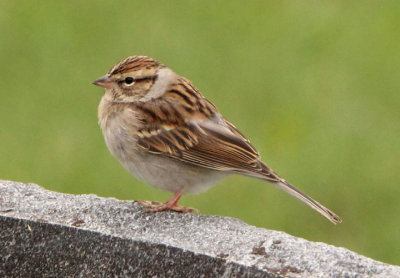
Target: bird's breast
(119, 126)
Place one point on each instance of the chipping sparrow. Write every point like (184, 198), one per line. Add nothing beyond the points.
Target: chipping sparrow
(167, 134)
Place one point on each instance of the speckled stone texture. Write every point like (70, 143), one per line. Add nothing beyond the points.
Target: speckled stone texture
(49, 234)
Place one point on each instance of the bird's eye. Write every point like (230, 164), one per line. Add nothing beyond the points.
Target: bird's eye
(129, 80)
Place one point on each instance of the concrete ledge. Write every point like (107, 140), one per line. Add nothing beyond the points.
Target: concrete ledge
(44, 233)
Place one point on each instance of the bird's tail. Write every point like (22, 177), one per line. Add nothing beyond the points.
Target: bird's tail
(269, 175)
(308, 200)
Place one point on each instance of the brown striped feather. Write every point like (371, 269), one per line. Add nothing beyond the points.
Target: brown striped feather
(133, 63)
(211, 146)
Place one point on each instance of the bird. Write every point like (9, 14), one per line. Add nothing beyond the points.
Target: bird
(168, 135)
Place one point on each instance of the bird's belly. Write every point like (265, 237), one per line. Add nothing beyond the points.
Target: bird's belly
(171, 175)
(159, 171)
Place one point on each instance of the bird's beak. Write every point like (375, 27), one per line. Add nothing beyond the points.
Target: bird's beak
(103, 81)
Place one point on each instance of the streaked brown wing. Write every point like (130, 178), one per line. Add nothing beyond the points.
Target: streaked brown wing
(215, 144)
(200, 146)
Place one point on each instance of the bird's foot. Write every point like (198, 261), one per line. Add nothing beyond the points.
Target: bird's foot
(156, 206)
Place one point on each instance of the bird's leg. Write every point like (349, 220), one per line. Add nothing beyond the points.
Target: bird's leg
(171, 204)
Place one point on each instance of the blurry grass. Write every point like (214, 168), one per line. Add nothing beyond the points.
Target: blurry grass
(314, 85)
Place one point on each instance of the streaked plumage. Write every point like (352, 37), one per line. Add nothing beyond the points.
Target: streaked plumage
(166, 133)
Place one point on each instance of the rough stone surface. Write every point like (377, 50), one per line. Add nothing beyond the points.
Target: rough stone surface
(49, 234)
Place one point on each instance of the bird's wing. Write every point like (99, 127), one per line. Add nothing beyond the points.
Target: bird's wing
(205, 139)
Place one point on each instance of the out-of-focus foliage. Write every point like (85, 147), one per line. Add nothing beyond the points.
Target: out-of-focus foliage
(315, 85)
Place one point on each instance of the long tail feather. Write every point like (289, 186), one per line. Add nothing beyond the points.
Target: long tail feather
(309, 201)
(268, 174)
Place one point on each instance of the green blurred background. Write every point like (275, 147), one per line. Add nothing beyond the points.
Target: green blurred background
(314, 84)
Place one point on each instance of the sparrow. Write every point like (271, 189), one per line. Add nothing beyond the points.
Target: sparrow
(168, 135)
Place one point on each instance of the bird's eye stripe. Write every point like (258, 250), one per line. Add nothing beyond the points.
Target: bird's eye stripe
(132, 80)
